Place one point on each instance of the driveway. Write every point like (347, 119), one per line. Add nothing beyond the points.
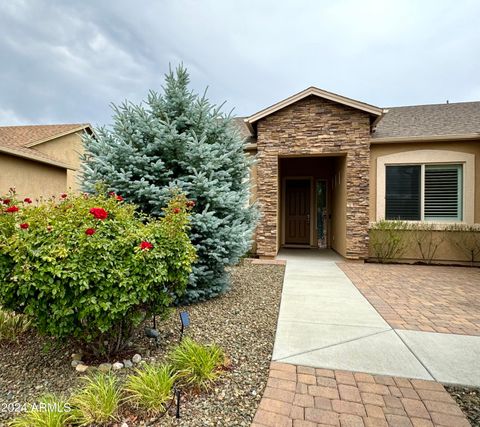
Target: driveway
(326, 322)
(421, 298)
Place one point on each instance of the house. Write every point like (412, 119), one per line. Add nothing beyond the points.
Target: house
(329, 166)
(41, 161)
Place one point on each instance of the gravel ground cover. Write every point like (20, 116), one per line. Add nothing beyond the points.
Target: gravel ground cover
(243, 322)
(468, 399)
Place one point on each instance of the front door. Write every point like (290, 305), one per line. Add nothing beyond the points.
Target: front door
(297, 212)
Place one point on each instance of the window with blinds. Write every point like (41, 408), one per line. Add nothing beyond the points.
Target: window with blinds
(440, 185)
(443, 192)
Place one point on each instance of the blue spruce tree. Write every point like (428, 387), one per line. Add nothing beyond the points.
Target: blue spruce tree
(179, 140)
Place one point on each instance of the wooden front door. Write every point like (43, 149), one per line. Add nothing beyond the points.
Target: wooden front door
(297, 212)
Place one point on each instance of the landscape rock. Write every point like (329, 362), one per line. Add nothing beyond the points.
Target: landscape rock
(104, 367)
(117, 365)
(81, 368)
(136, 358)
(75, 363)
(76, 356)
(127, 363)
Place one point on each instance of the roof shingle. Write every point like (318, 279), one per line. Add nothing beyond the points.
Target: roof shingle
(430, 120)
(26, 135)
(16, 140)
(462, 118)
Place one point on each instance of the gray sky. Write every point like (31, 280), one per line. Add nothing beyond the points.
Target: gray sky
(66, 61)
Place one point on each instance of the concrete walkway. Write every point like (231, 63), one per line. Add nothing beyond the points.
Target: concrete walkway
(325, 322)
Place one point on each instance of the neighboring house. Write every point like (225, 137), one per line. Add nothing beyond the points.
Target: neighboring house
(41, 161)
(328, 166)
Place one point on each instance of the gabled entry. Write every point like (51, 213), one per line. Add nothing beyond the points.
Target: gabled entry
(331, 134)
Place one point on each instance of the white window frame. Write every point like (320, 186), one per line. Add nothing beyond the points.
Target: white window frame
(430, 157)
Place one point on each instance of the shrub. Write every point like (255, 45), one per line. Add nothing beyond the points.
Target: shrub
(428, 239)
(97, 402)
(179, 137)
(90, 267)
(50, 411)
(12, 325)
(466, 238)
(195, 364)
(388, 239)
(151, 387)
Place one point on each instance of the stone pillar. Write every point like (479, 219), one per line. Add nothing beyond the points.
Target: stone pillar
(268, 195)
(358, 163)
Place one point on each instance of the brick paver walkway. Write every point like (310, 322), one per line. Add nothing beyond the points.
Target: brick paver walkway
(298, 396)
(424, 298)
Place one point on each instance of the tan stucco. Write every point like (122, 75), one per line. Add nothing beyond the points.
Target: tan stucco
(339, 208)
(380, 150)
(31, 179)
(68, 149)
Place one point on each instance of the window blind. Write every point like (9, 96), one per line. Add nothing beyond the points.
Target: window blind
(443, 192)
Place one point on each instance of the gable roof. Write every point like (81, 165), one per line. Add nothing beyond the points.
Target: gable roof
(371, 109)
(435, 121)
(28, 136)
(19, 140)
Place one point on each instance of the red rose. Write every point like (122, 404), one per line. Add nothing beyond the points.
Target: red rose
(12, 209)
(146, 246)
(64, 195)
(119, 198)
(27, 200)
(111, 194)
(190, 203)
(99, 213)
(176, 210)
(6, 201)
(24, 226)
(90, 231)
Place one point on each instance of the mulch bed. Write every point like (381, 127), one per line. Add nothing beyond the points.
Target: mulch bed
(243, 322)
(468, 398)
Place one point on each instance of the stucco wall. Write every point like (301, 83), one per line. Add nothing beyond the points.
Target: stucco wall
(339, 208)
(31, 179)
(67, 149)
(309, 127)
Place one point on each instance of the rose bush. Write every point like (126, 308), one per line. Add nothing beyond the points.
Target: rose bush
(91, 267)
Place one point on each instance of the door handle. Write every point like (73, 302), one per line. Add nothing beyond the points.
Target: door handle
(308, 219)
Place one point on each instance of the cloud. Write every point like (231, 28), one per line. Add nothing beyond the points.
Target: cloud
(66, 61)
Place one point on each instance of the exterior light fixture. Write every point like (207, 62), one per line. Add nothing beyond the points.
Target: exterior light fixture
(177, 397)
(152, 332)
(185, 320)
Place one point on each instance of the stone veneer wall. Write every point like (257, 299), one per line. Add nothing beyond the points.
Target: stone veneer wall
(314, 126)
